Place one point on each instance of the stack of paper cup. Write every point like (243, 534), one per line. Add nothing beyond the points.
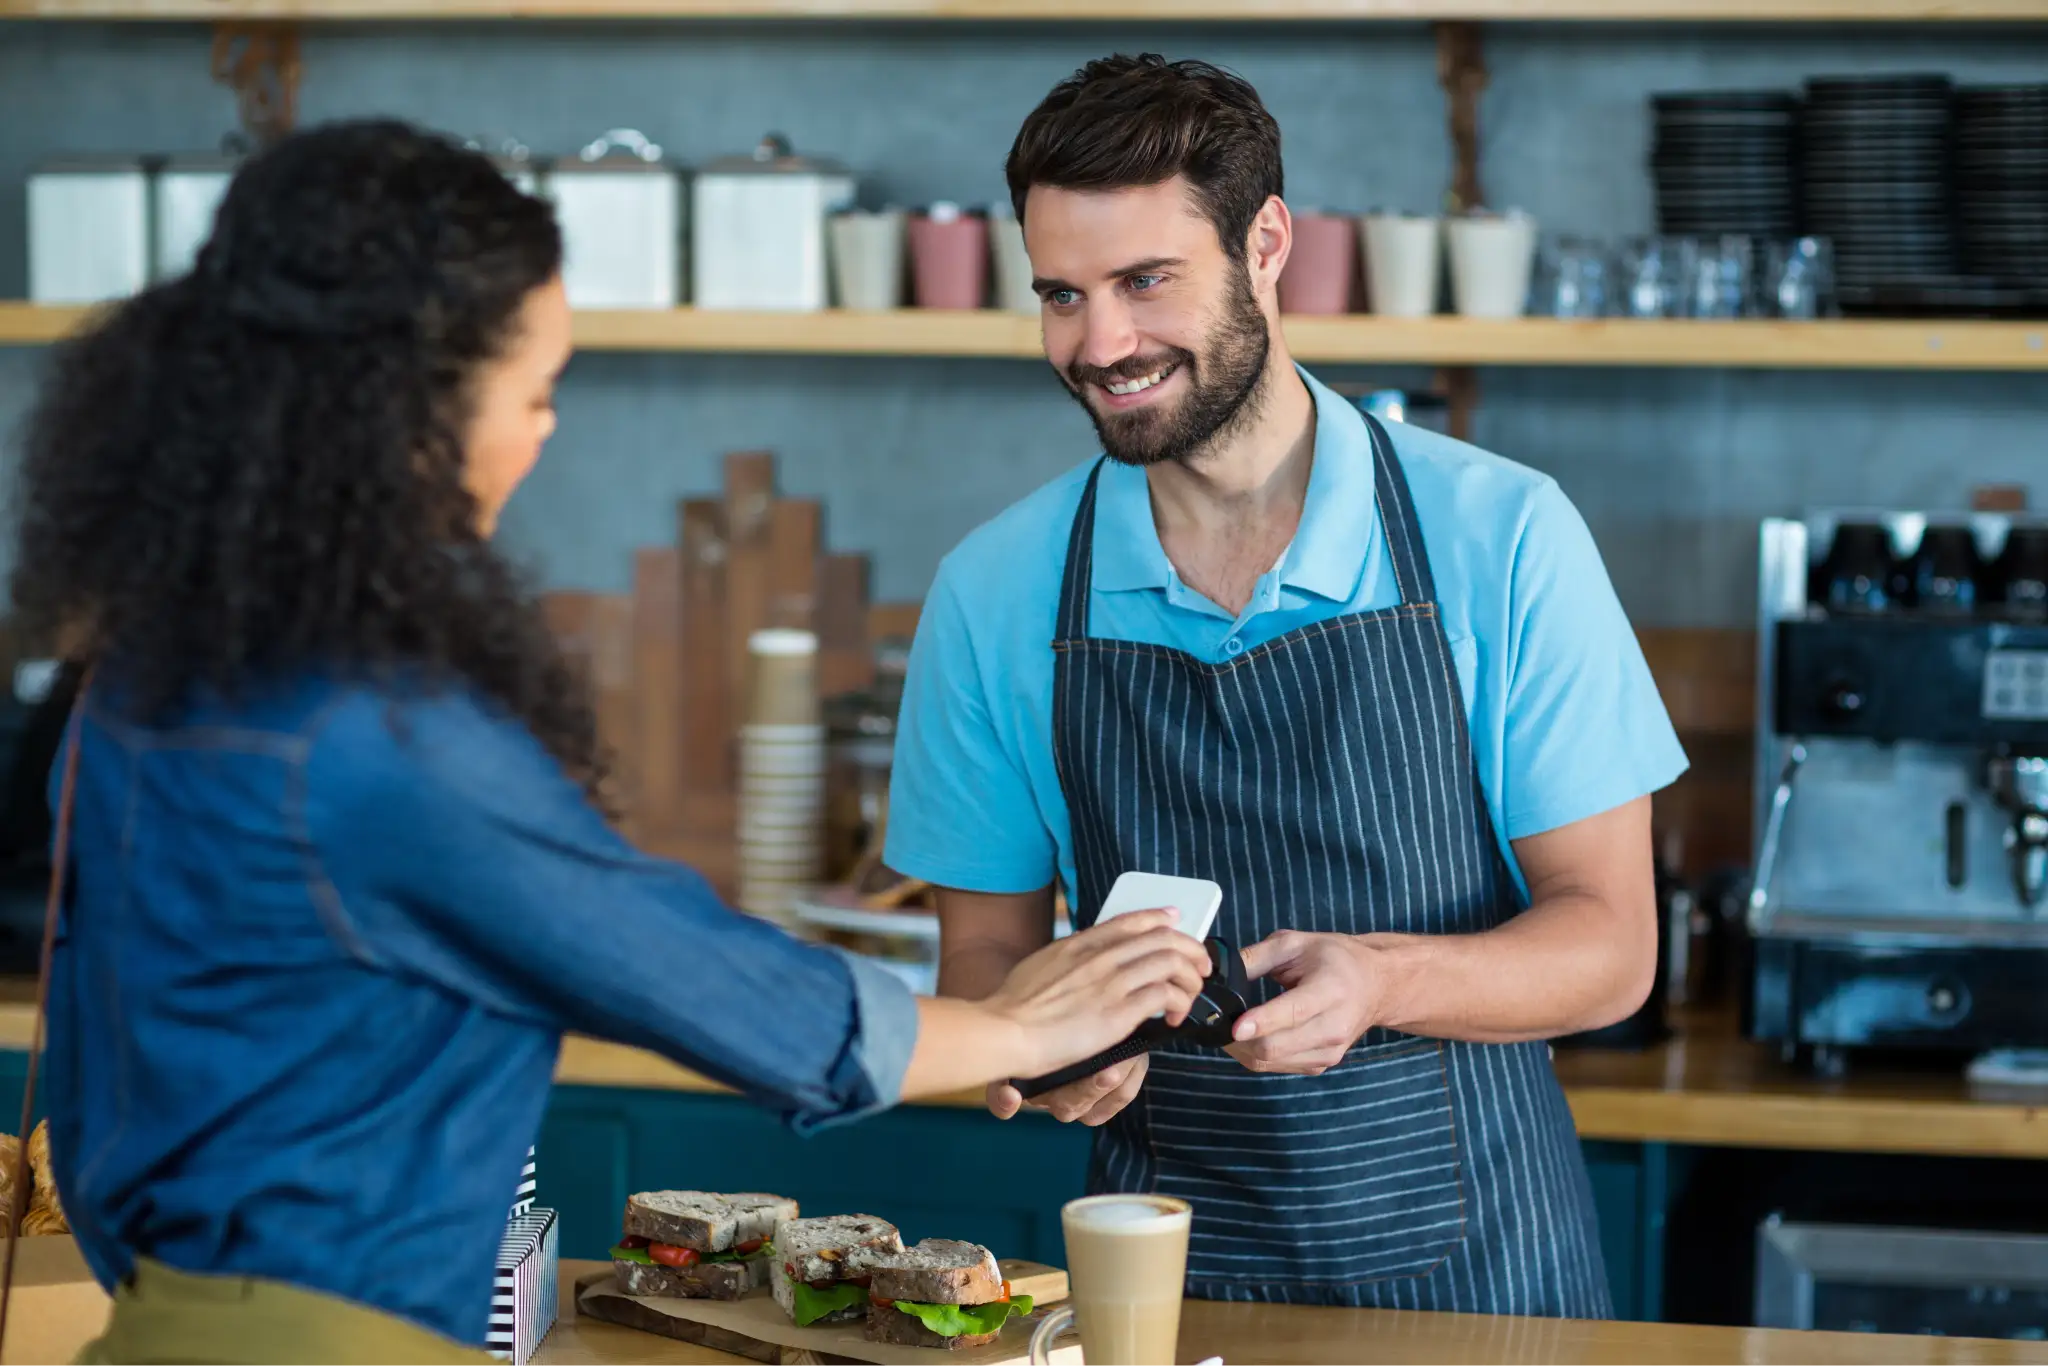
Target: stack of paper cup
(782, 775)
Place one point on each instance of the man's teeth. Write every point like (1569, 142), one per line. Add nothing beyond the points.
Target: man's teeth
(1135, 386)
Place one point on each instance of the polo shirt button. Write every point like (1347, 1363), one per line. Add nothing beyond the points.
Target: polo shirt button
(1233, 646)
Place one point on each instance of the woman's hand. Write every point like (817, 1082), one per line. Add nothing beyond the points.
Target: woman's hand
(1079, 995)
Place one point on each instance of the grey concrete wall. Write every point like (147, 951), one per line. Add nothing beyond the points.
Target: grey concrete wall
(1671, 468)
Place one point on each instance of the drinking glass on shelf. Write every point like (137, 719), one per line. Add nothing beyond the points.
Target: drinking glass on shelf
(1799, 278)
(1574, 282)
(1655, 274)
(1720, 279)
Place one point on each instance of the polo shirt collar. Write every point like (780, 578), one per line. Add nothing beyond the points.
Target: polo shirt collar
(1336, 540)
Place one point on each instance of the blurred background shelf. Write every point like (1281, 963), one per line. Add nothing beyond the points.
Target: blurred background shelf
(1855, 344)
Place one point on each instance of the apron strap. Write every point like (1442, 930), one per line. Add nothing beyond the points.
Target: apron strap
(1397, 517)
(1080, 575)
(60, 856)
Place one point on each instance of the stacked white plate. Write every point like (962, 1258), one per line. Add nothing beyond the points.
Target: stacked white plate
(781, 816)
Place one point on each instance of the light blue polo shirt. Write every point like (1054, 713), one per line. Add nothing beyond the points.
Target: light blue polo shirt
(1566, 721)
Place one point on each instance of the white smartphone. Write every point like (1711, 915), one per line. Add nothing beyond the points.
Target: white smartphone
(1197, 899)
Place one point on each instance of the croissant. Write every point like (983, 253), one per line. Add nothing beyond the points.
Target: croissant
(13, 1169)
(42, 1200)
(43, 1219)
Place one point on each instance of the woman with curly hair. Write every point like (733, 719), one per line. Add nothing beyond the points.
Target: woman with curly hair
(338, 880)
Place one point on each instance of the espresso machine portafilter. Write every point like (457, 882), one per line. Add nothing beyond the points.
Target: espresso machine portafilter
(2019, 782)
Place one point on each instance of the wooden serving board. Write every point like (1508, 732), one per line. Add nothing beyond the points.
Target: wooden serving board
(756, 1327)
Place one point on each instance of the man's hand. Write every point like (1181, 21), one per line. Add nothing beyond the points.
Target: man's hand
(1092, 1100)
(1330, 995)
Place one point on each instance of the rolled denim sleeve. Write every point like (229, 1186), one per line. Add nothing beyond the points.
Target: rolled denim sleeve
(888, 1034)
(463, 854)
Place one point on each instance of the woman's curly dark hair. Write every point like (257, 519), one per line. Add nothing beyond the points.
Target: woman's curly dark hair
(258, 467)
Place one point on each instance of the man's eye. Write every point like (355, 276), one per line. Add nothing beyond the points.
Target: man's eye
(1062, 298)
(1143, 282)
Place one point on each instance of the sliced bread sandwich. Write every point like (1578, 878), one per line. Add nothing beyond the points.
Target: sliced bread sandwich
(822, 1265)
(698, 1245)
(941, 1293)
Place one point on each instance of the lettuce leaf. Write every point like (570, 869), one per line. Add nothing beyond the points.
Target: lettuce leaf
(767, 1249)
(810, 1305)
(632, 1254)
(953, 1320)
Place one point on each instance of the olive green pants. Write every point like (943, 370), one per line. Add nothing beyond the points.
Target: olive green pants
(168, 1316)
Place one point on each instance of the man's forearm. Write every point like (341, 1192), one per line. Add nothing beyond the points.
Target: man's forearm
(982, 935)
(1567, 964)
(975, 971)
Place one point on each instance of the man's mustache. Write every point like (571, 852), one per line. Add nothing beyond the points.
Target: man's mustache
(1136, 367)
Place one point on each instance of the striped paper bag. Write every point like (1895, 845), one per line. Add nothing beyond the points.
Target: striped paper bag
(523, 1298)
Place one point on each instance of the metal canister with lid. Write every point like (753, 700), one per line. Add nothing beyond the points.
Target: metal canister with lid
(513, 158)
(621, 206)
(758, 234)
(88, 230)
(185, 194)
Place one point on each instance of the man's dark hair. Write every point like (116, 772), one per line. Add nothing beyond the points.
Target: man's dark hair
(1121, 122)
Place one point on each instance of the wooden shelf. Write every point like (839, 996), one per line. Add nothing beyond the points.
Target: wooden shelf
(1833, 345)
(1187, 11)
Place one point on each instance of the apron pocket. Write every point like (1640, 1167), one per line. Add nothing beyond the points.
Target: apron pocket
(1342, 1179)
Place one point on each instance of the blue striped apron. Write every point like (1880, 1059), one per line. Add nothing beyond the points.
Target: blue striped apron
(1326, 781)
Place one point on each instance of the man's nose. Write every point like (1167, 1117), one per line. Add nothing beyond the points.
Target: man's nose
(1110, 337)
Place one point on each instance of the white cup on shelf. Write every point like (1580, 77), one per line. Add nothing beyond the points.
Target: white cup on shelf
(1403, 259)
(867, 260)
(1492, 257)
(1013, 266)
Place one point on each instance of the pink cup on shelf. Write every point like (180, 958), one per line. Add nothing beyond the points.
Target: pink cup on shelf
(1323, 266)
(949, 258)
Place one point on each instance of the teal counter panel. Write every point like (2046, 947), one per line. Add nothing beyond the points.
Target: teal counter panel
(932, 1171)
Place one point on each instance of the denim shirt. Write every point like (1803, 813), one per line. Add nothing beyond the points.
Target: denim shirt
(318, 953)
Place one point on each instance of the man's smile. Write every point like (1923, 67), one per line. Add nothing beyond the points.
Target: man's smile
(1123, 394)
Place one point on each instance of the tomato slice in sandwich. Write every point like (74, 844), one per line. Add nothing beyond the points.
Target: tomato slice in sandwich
(670, 1255)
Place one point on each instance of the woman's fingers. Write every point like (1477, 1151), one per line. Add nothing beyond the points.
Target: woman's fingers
(1170, 969)
(1114, 954)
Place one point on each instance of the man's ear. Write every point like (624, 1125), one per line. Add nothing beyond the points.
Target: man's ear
(1268, 244)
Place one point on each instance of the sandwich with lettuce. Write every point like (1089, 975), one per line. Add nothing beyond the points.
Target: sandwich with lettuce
(941, 1293)
(697, 1245)
(823, 1265)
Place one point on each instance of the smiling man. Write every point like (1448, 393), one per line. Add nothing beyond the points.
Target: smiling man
(1372, 681)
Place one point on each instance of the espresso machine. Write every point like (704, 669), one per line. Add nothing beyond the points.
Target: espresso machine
(1900, 895)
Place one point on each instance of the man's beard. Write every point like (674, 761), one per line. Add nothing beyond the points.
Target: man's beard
(1225, 387)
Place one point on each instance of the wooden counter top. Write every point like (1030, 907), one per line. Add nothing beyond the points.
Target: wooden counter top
(1242, 1333)
(1710, 1086)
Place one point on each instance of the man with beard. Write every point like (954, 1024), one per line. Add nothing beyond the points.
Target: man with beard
(1373, 681)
